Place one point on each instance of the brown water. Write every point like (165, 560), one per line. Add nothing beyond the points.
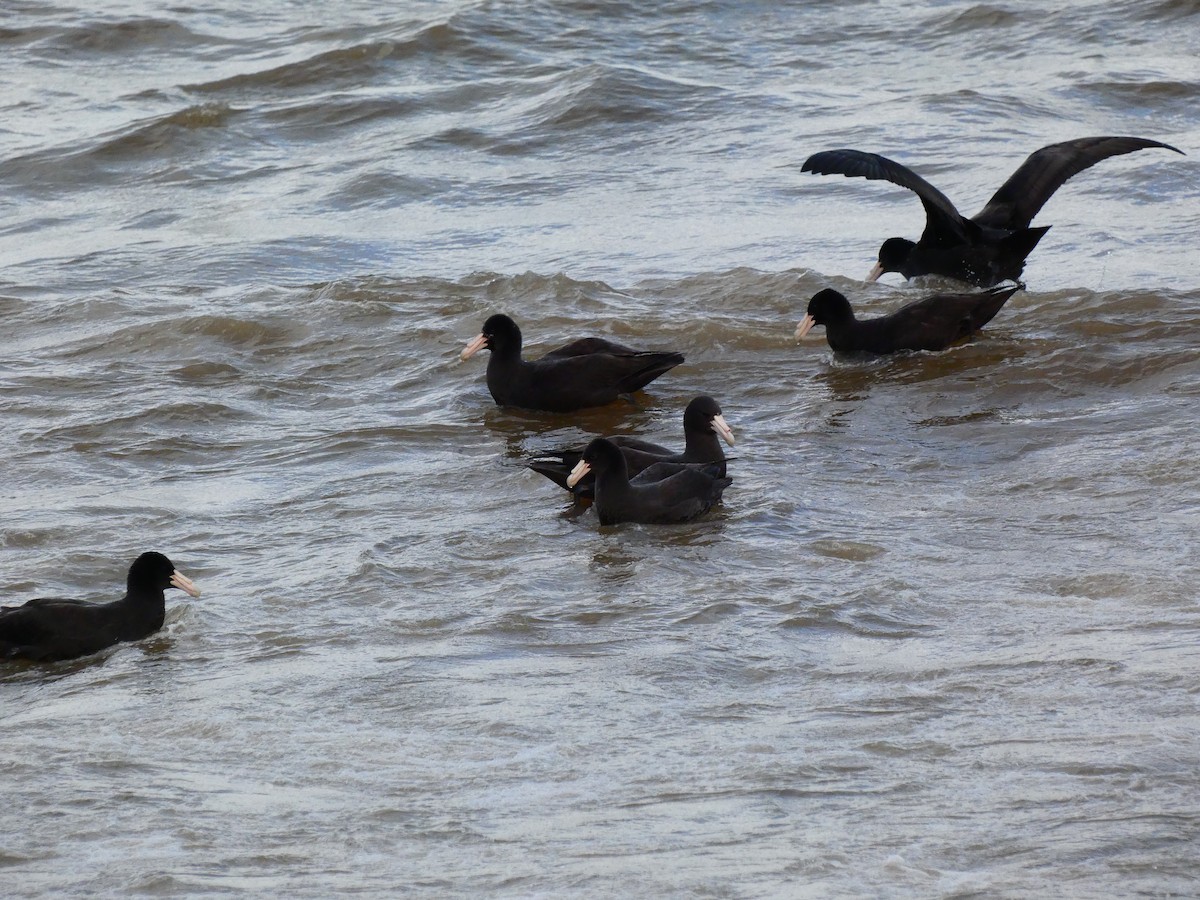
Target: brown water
(939, 640)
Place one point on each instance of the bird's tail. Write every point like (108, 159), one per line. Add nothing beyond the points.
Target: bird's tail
(1021, 243)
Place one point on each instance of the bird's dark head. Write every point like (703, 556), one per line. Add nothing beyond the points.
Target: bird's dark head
(154, 572)
(893, 254)
(499, 334)
(825, 307)
(600, 456)
(704, 414)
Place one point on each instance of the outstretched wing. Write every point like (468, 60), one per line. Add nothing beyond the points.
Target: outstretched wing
(1044, 172)
(943, 223)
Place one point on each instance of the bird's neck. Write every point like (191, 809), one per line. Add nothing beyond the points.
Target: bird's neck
(506, 360)
(144, 598)
(613, 483)
(702, 446)
(144, 610)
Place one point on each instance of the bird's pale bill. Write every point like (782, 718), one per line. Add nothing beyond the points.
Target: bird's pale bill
(805, 326)
(722, 428)
(476, 344)
(181, 581)
(581, 469)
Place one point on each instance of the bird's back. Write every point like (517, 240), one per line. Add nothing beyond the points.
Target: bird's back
(51, 628)
(562, 382)
(932, 323)
(676, 492)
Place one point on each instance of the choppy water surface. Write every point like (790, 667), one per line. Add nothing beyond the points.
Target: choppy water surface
(940, 639)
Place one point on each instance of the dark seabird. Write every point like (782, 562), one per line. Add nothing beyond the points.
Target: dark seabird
(991, 246)
(663, 493)
(703, 427)
(932, 323)
(47, 629)
(586, 372)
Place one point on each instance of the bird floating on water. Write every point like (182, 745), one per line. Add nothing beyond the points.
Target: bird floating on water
(587, 372)
(47, 629)
(704, 427)
(932, 323)
(662, 493)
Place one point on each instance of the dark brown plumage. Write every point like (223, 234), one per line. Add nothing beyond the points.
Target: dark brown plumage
(703, 428)
(992, 245)
(586, 372)
(48, 629)
(932, 323)
(663, 493)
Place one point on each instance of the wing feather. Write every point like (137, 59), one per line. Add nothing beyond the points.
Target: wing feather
(1045, 171)
(944, 224)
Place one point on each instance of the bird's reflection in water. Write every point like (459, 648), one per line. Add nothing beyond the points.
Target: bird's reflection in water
(575, 509)
(614, 565)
